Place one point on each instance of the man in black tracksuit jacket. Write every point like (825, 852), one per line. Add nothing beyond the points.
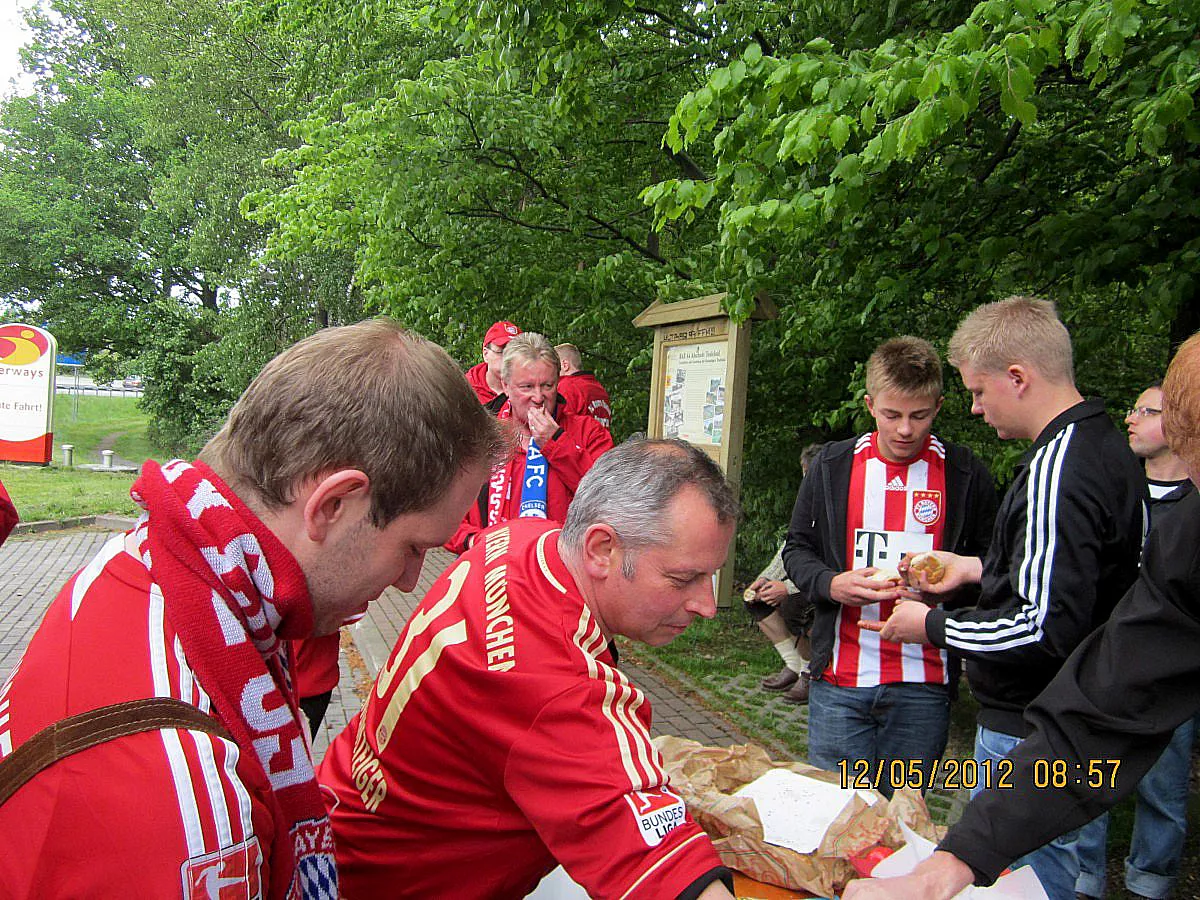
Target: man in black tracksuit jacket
(1065, 549)
(815, 550)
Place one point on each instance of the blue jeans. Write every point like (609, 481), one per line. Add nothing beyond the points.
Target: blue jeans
(1159, 826)
(1056, 863)
(900, 722)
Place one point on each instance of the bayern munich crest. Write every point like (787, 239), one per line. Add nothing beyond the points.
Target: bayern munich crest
(927, 506)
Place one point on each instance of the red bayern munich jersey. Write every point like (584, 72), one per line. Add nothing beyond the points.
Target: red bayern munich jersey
(500, 738)
(165, 813)
(892, 509)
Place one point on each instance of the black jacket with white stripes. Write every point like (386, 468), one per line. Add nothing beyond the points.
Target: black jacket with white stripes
(1064, 550)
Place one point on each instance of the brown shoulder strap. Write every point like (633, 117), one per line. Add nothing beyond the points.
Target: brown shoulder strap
(75, 733)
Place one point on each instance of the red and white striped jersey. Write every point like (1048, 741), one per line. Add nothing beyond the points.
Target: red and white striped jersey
(167, 813)
(498, 739)
(892, 509)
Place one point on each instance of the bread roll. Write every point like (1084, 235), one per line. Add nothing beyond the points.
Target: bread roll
(927, 563)
(886, 575)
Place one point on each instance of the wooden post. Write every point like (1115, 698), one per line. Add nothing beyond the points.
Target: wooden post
(698, 385)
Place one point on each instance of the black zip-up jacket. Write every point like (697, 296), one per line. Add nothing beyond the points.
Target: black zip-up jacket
(1064, 551)
(1119, 697)
(815, 549)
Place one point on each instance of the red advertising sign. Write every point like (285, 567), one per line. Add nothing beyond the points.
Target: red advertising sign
(27, 358)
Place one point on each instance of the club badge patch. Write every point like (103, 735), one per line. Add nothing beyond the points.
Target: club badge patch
(231, 873)
(927, 506)
(657, 812)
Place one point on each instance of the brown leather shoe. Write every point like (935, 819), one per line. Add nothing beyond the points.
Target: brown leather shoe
(781, 680)
(798, 692)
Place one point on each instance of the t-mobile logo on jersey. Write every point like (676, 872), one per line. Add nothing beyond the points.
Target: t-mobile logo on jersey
(658, 813)
(885, 549)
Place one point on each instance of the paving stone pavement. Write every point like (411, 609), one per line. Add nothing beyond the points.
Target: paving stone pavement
(34, 567)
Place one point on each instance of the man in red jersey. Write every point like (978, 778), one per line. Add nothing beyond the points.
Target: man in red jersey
(484, 377)
(864, 504)
(582, 391)
(295, 517)
(553, 447)
(500, 739)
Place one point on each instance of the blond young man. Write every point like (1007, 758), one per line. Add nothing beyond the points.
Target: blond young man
(348, 457)
(1067, 540)
(865, 503)
(1105, 718)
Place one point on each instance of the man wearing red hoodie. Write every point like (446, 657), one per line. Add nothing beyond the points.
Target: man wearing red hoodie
(583, 393)
(484, 377)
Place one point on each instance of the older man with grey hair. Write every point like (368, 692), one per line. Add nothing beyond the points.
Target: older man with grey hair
(500, 732)
(552, 447)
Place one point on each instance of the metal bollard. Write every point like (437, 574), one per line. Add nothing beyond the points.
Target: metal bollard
(106, 458)
(68, 452)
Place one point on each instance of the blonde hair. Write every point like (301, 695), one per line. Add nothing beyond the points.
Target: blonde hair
(569, 353)
(528, 346)
(370, 396)
(1021, 330)
(908, 365)
(1181, 403)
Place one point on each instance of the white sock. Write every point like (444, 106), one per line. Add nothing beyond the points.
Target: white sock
(790, 655)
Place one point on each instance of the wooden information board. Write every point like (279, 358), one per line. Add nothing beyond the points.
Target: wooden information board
(698, 385)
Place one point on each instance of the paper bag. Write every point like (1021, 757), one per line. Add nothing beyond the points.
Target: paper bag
(706, 778)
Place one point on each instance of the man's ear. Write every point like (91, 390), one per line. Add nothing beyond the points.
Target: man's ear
(1018, 377)
(870, 404)
(600, 551)
(334, 499)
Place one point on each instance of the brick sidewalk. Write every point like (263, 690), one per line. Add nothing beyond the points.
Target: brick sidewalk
(33, 568)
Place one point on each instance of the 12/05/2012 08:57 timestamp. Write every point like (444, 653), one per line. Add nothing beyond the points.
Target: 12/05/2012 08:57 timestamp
(968, 774)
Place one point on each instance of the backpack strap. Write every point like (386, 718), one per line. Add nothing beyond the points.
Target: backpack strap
(75, 733)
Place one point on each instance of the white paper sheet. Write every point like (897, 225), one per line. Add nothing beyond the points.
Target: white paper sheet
(1021, 884)
(796, 810)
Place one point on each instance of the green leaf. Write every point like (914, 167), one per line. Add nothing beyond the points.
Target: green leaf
(839, 132)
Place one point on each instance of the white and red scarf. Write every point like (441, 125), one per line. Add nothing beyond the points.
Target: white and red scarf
(235, 595)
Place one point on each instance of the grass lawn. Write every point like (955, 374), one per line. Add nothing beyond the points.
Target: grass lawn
(91, 424)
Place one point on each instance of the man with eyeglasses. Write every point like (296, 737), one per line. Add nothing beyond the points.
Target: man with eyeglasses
(1160, 820)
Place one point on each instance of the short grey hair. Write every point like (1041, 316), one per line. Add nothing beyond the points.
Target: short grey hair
(528, 347)
(630, 487)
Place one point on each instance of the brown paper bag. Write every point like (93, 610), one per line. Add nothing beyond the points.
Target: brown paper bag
(707, 777)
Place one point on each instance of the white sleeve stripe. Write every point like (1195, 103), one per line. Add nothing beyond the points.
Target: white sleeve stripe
(1035, 575)
(650, 871)
(85, 579)
(205, 752)
(189, 814)
(243, 796)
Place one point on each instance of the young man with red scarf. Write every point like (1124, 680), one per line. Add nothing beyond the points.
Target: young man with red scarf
(554, 447)
(864, 504)
(295, 517)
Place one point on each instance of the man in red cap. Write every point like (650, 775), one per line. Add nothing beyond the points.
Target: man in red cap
(484, 377)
